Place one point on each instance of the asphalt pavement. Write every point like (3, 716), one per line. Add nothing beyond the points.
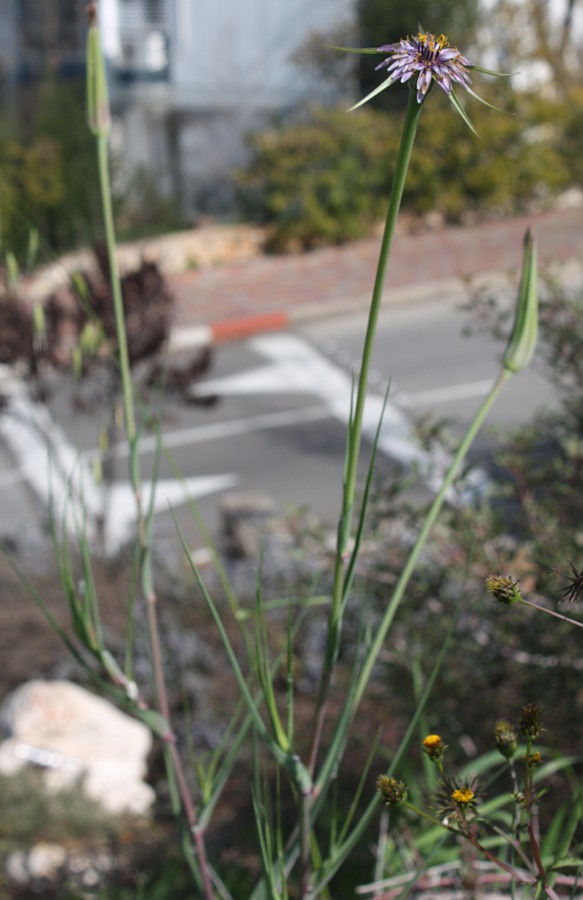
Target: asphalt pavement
(284, 396)
(270, 293)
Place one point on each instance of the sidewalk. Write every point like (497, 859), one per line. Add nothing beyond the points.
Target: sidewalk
(274, 292)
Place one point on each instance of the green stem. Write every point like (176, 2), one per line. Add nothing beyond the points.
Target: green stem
(428, 524)
(348, 711)
(354, 438)
(551, 612)
(466, 834)
(120, 325)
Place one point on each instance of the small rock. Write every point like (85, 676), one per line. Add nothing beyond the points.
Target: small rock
(76, 736)
(245, 520)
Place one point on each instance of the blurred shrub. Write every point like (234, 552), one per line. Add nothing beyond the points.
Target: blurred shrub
(514, 161)
(144, 209)
(570, 116)
(32, 187)
(48, 179)
(319, 181)
(48, 171)
(327, 179)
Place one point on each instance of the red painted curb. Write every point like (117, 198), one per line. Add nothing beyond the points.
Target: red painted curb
(245, 326)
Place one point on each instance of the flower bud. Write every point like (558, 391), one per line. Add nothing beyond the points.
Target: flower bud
(434, 747)
(98, 114)
(505, 739)
(522, 342)
(504, 590)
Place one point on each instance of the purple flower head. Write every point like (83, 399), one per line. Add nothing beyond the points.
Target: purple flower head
(428, 57)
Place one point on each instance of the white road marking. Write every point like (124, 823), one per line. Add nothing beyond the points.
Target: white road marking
(442, 395)
(298, 368)
(62, 478)
(200, 434)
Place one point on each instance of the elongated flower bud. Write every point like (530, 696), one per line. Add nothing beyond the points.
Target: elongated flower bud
(522, 342)
(98, 114)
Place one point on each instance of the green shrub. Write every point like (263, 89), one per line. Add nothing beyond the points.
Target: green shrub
(48, 179)
(46, 165)
(325, 180)
(321, 181)
(143, 209)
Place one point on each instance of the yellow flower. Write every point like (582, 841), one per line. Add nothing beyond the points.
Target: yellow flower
(463, 796)
(434, 746)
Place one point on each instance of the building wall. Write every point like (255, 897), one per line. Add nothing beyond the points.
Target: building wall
(228, 53)
(228, 68)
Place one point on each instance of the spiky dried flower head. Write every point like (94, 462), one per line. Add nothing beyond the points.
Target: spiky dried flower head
(505, 738)
(505, 590)
(434, 746)
(457, 797)
(530, 723)
(391, 790)
(573, 590)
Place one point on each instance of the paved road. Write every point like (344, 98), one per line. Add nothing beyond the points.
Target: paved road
(279, 425)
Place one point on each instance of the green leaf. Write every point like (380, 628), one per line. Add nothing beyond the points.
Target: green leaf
(354, 49)
(155, 721)
(569, 862)
(381, 87)
(461, 112)
(491, 72)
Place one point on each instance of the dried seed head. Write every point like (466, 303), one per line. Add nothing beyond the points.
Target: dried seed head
(504, 590)
(392, 791)
(530, 722)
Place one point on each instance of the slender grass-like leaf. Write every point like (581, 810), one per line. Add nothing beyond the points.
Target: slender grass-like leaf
(558, 839)
(264, 670)
(351, 812)
(351, 568)
(379, 88)
(352, 840)
(461, 112)
(292, 764)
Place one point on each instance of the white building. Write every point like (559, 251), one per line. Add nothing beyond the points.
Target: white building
(190, 77)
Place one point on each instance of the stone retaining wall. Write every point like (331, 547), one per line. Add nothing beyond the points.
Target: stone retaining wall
(198, 248)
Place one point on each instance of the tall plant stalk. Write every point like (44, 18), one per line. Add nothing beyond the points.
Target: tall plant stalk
(354, 437)
(100, 123)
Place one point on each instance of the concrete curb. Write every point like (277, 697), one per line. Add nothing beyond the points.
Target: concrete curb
(241, 327)
(450, 290)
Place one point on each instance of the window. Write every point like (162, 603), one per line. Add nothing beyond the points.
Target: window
(155, 11)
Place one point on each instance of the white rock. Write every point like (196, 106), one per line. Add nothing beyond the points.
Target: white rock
(45, 860)
(76, 736)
